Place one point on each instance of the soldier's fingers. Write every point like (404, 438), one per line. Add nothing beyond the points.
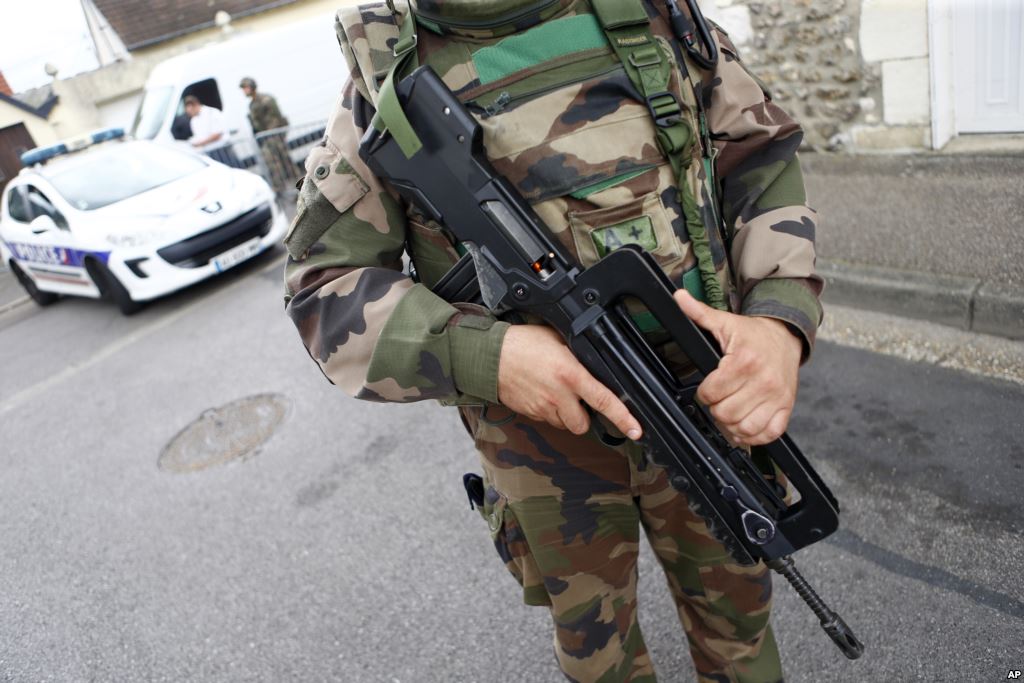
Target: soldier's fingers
(720, 384)
(774, 429)
(551, 417)
(574, 416)
(730, 436)
(601, 399)
(703, 315)
(732, 402)
(753, 426)
(730, 412)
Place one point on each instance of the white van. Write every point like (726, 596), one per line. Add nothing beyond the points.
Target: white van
(300, 64)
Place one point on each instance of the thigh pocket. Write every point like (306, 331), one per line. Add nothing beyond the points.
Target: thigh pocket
(740, 595)
(510, 542)
(643, 221)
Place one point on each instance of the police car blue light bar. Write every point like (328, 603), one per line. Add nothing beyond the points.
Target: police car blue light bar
(108, 134)
(40, 155)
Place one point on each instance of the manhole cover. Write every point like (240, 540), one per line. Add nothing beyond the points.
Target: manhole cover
(225, 433)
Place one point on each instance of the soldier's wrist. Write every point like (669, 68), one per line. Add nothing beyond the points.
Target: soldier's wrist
(476, 343)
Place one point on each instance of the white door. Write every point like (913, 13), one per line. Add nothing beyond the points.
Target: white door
(988, 64)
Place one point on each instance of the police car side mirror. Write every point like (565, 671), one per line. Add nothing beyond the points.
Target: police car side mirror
(41, 224)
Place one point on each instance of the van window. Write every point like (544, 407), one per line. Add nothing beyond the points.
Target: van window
(205, 91)
(152, 112)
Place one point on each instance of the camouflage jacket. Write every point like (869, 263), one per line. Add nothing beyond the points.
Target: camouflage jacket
(562, 122)
(264, 113)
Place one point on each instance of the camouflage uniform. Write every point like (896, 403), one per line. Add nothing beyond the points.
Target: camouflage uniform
(564, 511)
(264, 114)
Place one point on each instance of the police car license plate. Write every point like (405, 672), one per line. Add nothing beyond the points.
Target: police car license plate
(235, 255)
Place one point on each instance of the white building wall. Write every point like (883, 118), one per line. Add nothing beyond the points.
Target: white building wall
(119, 112)
(905, 92)
(893, 29)
(894, 35)
(41, 131)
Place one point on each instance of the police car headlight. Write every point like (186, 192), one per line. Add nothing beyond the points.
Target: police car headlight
(131, 240)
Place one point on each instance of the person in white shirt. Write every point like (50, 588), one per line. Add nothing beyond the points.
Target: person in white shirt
(209, 130)
(207, 123)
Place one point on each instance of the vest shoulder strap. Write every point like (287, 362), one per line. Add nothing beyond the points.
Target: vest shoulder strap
(649, 68)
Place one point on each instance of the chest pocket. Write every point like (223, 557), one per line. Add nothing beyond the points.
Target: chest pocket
(643, 221)
(563, 122)
(557, 109)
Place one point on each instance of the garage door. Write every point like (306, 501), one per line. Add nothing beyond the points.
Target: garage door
(13, 141)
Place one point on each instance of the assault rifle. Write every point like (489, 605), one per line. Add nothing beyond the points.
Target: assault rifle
(515, 264)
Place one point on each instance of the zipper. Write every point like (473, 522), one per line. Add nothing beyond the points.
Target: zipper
(491, 23)
(498, 105)
(505, 100)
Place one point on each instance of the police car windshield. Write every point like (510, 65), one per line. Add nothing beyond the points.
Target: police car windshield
(116, 172)
(151, 113)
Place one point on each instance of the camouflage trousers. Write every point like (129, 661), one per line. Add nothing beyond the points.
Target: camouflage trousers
(280, 168)
(565, 514)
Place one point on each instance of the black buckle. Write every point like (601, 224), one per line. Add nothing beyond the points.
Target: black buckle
(664, 120)
(474, 484)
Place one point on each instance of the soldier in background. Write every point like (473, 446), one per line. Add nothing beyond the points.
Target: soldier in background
(265, 115)
(565, 511)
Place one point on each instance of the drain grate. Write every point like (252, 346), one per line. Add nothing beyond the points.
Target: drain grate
(226, 433)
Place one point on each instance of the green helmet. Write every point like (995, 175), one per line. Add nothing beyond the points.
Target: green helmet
(247, 83)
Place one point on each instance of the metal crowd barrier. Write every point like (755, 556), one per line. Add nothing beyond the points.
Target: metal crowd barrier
(278, 155)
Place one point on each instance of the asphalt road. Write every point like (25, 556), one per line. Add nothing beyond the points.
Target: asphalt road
(343, 548)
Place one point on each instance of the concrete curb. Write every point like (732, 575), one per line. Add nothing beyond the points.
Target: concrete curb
(12, 295)
(960, 302)
(11, 305)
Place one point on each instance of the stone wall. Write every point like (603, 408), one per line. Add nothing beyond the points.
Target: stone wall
(856, 73)
(808, 54)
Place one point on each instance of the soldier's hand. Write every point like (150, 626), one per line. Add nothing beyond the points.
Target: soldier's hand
(540, 378)
(751, 394)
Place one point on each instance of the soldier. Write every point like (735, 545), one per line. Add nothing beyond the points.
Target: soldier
(564, 121)
(265, 115)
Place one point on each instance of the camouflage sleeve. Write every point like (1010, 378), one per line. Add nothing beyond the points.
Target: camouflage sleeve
(273, 111)
(763, 200)
(370, 328)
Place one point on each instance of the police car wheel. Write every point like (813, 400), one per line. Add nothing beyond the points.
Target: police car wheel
(40, 297)
(111, 288)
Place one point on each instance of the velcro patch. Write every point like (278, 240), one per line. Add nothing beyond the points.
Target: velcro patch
(634, 231)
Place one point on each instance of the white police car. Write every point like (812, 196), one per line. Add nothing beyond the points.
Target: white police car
(129, 220)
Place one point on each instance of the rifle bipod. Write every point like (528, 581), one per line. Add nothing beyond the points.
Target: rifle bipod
(834, 626)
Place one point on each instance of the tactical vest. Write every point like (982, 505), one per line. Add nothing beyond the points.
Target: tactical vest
(588, 107)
